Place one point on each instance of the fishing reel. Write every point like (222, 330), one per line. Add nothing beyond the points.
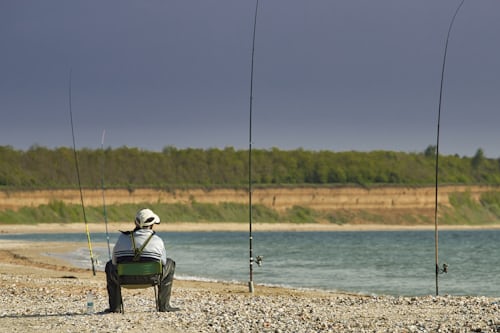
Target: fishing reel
(259, 260)
(96, 260)
(442, 270)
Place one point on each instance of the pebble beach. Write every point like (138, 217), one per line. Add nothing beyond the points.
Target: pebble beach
(43, 294)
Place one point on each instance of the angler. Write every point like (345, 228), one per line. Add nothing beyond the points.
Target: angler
(140, 244)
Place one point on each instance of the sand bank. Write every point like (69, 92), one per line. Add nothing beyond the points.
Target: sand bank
(208, 227)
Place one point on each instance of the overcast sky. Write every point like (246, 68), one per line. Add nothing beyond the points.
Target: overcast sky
(329, 74)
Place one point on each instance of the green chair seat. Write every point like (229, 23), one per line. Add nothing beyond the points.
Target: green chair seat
(140, 274)
(139, 268)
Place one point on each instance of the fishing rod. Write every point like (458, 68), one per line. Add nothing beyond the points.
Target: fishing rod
(103, 194)
(436, 235)
(79, 181)
(250, 190)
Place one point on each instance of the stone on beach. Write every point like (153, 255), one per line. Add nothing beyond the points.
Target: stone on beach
(32, 302)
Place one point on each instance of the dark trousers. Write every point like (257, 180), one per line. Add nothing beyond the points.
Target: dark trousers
(114, 291)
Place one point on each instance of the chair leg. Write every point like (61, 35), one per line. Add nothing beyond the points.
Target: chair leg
(121, 304)
(157, 298)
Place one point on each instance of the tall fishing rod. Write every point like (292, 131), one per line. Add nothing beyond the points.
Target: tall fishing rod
(105, 213)
(79, 181)
(250, 190)
(436, 235)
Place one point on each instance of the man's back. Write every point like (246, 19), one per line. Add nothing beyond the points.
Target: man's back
(154, 249)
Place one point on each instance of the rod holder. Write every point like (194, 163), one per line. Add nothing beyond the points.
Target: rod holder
(250, 286)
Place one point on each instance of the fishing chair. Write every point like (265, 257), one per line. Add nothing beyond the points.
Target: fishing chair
(139, 275)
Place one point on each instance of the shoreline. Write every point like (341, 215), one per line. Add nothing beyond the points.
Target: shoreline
(227, 226)
(50, 295)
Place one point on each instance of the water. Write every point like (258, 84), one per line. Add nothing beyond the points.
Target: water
(374, 262)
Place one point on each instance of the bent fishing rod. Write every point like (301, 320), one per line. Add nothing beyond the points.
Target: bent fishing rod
(250, 282)
(436, 235)
(92, 260)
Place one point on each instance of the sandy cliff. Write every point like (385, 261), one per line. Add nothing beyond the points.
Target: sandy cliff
(279, 198)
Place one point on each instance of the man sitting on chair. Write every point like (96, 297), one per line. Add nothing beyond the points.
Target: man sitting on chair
(152, 249)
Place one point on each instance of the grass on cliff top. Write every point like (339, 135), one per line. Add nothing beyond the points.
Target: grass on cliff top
(464, 210)
(59, 212)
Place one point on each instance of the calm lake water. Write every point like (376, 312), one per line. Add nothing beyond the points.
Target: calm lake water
(371, 262)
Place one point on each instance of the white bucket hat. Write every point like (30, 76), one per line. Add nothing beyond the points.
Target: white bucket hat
(145, 217)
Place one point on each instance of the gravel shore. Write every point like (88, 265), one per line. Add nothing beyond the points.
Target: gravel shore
(30, 303)
(43, 295)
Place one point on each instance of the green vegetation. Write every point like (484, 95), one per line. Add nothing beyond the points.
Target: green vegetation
(172, 168)
(59, 212)
(465, 210)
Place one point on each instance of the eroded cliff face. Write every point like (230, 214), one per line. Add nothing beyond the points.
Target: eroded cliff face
(279, 198)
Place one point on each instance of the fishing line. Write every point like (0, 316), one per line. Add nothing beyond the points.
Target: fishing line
(79, 180)
(250, 282)
(103, 193)
(436, 236)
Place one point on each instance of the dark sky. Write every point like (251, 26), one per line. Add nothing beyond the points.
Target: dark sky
(329, 75)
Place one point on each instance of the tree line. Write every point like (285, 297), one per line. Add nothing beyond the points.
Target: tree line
(125, 167)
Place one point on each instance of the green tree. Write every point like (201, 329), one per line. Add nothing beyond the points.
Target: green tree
(478, 159)
(430, 151)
